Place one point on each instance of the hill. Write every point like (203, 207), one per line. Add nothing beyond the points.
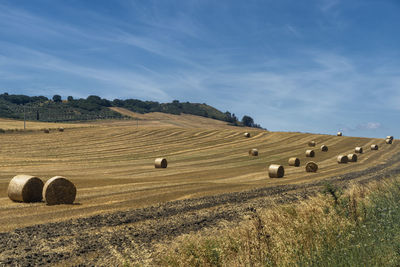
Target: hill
(40, 108)
(124, 205)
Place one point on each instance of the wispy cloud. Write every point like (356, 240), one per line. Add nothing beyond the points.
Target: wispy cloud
(327, 5)
(370, 125)
(288, 71)
(128, 83)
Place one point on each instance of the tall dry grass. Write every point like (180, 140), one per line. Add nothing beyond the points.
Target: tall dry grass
(334, 228)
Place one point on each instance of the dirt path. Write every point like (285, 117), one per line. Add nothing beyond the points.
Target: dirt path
(129, 236)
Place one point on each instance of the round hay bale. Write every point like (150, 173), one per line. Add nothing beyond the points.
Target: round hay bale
(339, 134)
(46, 131)
(389, 137)
(61, 129)
(160, 163)
(358, 150)
(342, 159)
(25, 188)
(324, 148)
(276, 171)
(311, 166)
(311, 143)
(352, 157)
(389, 141)
(310, 153)
(253, 152)
(374, 147)
(59, 190)
(246, 135)
(294, 162)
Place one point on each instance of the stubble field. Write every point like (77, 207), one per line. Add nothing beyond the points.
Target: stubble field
(112, 165)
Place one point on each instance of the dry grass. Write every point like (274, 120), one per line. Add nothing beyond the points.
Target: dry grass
(290, 235)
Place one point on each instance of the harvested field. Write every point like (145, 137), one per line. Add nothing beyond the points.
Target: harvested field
(112, 167)
(14, 125)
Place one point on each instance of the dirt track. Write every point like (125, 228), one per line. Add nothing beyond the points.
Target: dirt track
(128, 236)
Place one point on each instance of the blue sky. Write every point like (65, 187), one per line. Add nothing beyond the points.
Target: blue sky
(312, 66)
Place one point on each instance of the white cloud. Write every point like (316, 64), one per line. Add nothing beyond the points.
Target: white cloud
(372, 125)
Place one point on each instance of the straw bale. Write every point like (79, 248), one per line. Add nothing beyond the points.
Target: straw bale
(311, 166)
(310, 153)
(358, 150)
(311, 143)
(25, 188)
(374, 147)
(342, 159)
(253, 152)
(276, 171)
(294, 162)
(59, 190)
(160, 163)
(324, 148)
(352, 157)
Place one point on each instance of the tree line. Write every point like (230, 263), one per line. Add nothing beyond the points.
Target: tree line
(94, 107)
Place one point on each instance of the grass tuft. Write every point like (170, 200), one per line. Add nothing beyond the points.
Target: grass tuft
(357, 227)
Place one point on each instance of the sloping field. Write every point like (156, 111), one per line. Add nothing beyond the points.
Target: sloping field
(7, 124)
(112, 166)
(158, 119)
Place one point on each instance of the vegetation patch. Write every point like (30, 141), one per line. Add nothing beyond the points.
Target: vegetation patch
(358, 227)
(41, 108)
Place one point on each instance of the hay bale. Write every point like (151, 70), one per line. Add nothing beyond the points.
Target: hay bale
(311, 143)
(61, 129)
(246, 135)
(358, 150)
(310, 153)
(46, 130)
(253, 152)
(294, 162)
(352, 157)
(25, 188)
(59, 190)
(276, 171)
(374, 147)
(311, 166)
(389, 141)
(342, 159)
(160, 163)
(389, 137)
(339, 134)
(324, 148)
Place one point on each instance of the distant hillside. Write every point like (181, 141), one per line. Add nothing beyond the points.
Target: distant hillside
(40, 108)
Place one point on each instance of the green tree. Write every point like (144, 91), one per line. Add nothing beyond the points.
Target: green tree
(247, 121)
(57, 98)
